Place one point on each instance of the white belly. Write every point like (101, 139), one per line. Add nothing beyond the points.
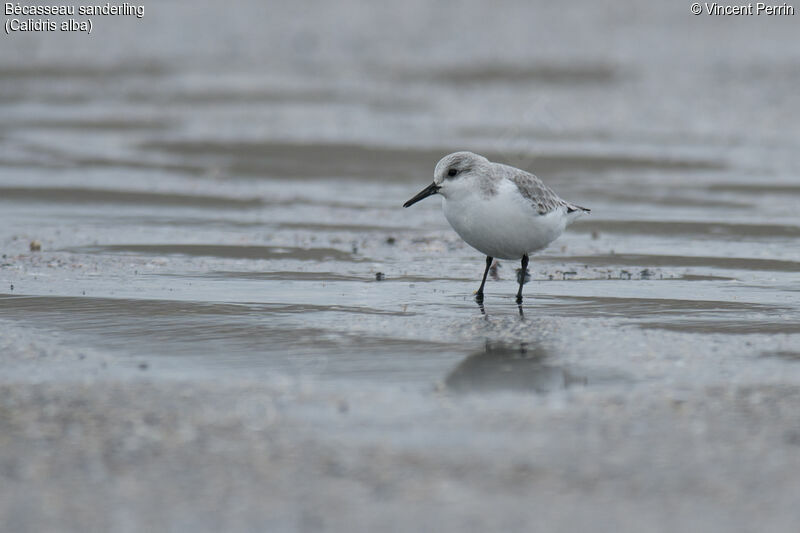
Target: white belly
(504, 226)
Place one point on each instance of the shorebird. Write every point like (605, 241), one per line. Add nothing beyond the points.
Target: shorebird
(501, 211)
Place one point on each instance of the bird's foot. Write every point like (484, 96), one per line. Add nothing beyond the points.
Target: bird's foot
(493, 271)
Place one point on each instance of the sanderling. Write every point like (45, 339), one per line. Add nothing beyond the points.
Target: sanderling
(499, 210)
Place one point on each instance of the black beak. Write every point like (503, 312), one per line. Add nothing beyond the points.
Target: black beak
(424, 193)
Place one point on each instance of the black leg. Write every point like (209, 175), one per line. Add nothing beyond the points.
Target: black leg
(523, 272)
(479, 294)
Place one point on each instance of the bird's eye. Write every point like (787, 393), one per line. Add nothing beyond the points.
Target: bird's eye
(452, 172)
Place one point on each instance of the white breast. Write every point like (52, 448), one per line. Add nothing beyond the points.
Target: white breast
(505, 225)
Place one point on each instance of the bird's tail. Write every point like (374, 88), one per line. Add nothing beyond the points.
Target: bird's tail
(571, 208)
(574, 212)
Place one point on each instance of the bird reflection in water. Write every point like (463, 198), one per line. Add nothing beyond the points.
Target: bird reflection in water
(479, 301)
(517, 367)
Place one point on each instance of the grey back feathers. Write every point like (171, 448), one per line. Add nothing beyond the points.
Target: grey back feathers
(542, 197)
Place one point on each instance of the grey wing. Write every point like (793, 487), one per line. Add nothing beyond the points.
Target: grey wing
(541, 197)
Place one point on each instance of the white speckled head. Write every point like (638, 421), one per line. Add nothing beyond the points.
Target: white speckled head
(461, 172)
(456, 165)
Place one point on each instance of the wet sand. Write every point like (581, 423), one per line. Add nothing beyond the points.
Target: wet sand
(232, 324)
(184, 456)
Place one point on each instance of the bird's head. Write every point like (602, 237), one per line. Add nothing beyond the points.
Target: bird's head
(451, 173)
